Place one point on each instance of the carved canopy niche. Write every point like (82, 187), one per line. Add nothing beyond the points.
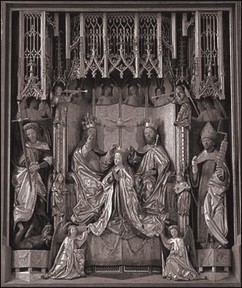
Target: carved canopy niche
(108, 42)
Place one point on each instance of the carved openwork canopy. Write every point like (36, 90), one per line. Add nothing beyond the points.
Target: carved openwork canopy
(107, 44)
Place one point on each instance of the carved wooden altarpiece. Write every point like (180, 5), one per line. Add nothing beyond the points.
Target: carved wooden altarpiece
(123, 63)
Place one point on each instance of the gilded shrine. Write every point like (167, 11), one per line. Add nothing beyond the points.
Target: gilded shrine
(121, 142)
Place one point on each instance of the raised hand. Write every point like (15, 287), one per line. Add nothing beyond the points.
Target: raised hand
(220, 173)
(113, 149)
(34, 167)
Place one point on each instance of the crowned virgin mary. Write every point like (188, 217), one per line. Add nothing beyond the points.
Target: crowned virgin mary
(122, 213)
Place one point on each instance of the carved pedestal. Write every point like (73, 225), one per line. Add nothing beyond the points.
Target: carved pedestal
(214, 263)
(29, 265)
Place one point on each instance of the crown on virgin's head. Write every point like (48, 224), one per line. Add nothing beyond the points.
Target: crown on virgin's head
(120, 150)
(89, 121)
(150, 123)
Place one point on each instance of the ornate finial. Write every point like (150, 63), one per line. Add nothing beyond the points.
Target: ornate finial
(210, 86)
(222, 152)
(209, 68)
(89, 121)
(31, 64)
(208, 132)
(33, 86)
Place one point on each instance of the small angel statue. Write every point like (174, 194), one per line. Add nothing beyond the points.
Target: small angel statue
(177, 265)
(70, 260)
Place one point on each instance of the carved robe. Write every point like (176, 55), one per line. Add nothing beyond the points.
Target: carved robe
(29, 201)
(206, 165)
(88, 169)
(121, 213)
(215, 208)
(70, 260)
(178, 266)
(153, 168)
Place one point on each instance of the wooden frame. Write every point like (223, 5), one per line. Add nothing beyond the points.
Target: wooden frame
(234, 8)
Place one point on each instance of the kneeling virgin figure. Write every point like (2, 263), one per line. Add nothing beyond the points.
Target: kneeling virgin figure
(121, 212)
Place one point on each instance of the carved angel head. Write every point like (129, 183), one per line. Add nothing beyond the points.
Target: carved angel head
(174, 230)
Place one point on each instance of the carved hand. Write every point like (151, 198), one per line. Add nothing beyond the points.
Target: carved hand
(34, 167)
(115, 174)
(149, 173)
(90, 141)
(194, 165)
(116, 169)
(113, 149)
(220, 173)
